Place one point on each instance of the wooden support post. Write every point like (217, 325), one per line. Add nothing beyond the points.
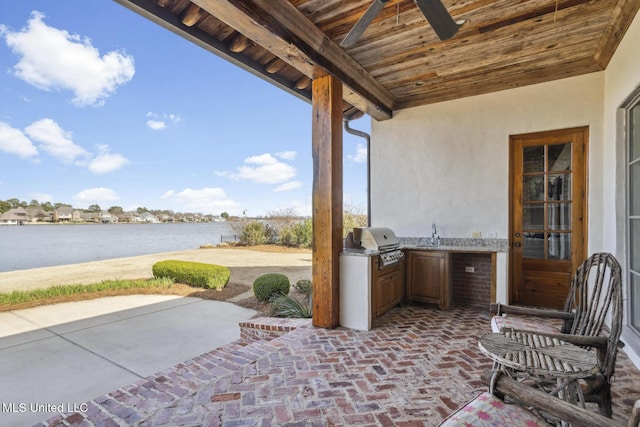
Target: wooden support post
(327, 200)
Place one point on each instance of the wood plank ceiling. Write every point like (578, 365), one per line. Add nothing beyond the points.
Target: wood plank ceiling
(399, 62)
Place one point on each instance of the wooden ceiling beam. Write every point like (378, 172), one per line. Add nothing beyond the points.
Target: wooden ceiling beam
(274, 66)
(192, 15)
(150, 9)
(286, 32)
(239, 43)
(303, 83)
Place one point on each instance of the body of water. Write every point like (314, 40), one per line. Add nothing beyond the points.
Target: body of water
(33, 246)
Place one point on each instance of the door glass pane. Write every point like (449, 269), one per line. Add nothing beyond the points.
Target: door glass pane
(560, 246)
(559, 157)
(634, 189)
(533, 159)
(533, 188)
(634, 244)
(634, 131)
(560, 216)
(560, 186)
(533, 245)
(533, 216)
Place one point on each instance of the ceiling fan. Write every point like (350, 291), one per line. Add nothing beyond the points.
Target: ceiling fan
(435, 12)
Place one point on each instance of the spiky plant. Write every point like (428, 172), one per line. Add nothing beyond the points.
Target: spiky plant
(286, 306)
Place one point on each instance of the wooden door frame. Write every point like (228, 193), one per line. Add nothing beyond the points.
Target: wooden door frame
(585, 183)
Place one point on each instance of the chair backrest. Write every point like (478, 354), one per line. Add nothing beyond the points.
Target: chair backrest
(596, 291)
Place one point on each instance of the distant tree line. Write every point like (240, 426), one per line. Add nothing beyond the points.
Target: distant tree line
(6, 205)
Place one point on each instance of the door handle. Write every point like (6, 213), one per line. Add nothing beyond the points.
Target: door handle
(517, 234)
(517, 244)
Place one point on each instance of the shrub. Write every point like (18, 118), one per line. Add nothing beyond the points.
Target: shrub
(297, 234)
(206, 276)
(303, 286)
(257, 233)
(285, 306)
(269, 285)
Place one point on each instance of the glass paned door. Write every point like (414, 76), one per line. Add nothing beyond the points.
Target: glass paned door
(547, 214)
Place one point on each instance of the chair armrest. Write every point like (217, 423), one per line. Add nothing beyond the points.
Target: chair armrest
(580, 340)
(530, 396)
(498, 309)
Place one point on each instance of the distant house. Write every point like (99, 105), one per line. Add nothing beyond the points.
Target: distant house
(148, 217)
(127, 217)
(165, 218)
(63, 214)
(17, 216)
(37, 214)
(76, 216)
(90, 216)
(108, 218)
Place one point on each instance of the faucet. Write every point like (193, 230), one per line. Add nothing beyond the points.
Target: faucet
(435, 239)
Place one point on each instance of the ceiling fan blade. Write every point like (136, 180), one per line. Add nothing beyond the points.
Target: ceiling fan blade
(363, 23)
(438, 17)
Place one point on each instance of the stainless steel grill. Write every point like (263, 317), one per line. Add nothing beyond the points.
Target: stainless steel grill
(378, 239)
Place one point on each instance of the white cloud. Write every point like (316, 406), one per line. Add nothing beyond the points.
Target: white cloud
(264, 169)
(92, 196)
(106, 162)
(156, 125)
(287, 155)
(159, 121)
(55, 140)
(288, 186)
(361, 154)
(205, 200)
(168, 194)
(13, 141)
(52, 59)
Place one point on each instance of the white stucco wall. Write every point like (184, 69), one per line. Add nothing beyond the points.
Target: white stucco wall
(448, 163)
(622, 79)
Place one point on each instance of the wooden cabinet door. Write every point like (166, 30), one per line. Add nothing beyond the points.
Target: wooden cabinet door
(427, 277)
(387, 290)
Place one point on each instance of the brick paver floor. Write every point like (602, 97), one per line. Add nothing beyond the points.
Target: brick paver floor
(416, 366)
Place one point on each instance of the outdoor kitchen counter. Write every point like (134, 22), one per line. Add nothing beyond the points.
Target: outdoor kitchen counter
(421, 255)
(455, 245)
(453, 248)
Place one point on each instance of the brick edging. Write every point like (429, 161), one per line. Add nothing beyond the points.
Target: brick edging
(268, 328)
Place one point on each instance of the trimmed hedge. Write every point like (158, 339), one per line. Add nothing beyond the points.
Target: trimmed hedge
(206, 276)
(269, 285)
(304, 286)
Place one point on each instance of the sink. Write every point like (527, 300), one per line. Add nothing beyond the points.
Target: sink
(426, 245)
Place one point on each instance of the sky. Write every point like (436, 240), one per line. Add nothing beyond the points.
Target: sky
(99, 105)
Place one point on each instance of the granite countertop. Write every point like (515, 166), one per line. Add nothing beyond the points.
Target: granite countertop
(446, 244)
(455, 245)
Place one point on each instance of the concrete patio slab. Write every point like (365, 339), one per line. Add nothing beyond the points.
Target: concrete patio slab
(61, 355)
